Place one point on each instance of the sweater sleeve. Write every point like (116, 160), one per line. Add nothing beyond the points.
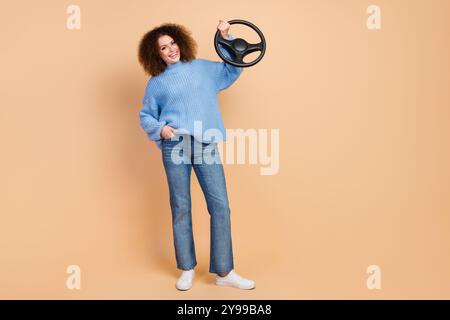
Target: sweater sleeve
(226, 74)
(149, 115)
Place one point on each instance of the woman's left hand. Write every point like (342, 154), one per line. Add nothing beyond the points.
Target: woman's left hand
(223, 27)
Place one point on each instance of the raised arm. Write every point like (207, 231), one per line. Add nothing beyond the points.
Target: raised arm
(226, 73)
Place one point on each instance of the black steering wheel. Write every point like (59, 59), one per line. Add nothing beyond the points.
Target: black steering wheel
(239, 48)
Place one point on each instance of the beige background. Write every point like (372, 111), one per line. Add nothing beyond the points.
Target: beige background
(364, 152)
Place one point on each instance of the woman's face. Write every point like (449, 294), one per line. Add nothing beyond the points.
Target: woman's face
(168, 49)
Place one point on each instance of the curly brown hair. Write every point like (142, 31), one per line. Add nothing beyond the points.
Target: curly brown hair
(148, 53)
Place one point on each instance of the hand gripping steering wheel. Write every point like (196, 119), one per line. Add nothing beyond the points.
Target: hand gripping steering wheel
(239, 48)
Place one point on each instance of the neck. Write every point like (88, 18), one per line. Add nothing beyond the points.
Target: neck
(174, 65)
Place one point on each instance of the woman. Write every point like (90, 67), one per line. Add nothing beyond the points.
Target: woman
(180, 96)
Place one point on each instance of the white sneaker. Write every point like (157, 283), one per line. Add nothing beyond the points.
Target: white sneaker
(232, 279)
(185, 280)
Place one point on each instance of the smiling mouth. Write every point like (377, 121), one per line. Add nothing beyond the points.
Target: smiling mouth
(173, 56)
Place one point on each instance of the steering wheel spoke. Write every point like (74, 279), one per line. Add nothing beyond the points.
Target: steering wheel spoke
(228, 44)
(252, 47)
(239, 57)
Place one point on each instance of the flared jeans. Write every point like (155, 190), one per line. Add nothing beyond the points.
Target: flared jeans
(180, 154)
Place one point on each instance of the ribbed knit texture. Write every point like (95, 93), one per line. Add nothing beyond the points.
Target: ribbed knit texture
(186, 92)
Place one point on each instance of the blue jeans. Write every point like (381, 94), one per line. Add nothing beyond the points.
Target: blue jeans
(205, 159)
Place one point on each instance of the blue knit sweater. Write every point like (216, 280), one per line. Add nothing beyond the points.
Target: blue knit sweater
(184, 93)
